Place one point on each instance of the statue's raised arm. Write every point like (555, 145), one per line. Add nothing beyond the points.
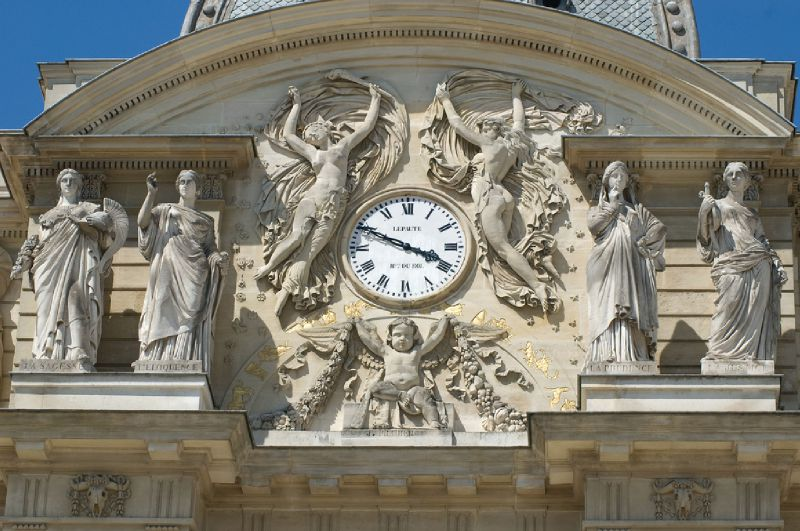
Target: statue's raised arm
(443, 95)
(303, 149)
(353, 139)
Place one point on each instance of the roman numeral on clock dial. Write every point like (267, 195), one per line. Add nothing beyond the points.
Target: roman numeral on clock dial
(367, 266)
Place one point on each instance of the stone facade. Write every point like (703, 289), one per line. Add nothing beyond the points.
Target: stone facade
(376, 280)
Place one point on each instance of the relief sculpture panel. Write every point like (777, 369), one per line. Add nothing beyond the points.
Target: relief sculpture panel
(363, 240)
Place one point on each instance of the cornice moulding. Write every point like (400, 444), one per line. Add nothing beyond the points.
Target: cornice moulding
(574, 40)
(582, 153)
(236, 150)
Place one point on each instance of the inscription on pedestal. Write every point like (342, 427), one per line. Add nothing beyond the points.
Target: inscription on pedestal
(398, 432)
(628, 367)
(48, 365)
(191, 366)
(737, 367)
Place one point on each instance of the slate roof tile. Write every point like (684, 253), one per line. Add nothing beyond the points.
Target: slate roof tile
(634, 16)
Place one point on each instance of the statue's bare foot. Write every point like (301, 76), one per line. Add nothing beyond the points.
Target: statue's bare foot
(405, 402)
(547, 264)
(540, 291)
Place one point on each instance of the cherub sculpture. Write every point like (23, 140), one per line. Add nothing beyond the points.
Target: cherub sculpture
(343, 151)
(401, 353)
(471, 147)
(401, 371)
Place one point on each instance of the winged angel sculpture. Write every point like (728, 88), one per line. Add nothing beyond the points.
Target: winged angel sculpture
(343, 152)
(474, 149)
(394, 367)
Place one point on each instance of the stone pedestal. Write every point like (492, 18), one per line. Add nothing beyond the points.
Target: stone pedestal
(737, 367)
(679, 392)
(120, 391)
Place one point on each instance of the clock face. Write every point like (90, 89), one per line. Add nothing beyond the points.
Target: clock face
(407, 248)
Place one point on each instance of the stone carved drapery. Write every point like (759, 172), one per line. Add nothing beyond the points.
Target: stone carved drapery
(621, 273)
(746, 271)
(302, 201)
(682, 499)
(460, 348)
(515, 208)
(67, 264)
(99, 495)
(185, 280)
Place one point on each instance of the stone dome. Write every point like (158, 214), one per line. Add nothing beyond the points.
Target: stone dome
(670, 23)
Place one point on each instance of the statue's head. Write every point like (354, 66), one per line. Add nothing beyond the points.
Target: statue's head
(492, 128)
(188, 184)
(403, 334)
(737, 176)
(70, 183)
(616, 176)
(318, 132)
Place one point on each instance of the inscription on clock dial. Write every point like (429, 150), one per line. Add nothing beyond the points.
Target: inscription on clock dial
(406, 248)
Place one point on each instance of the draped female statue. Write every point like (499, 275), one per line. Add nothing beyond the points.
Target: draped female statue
(67, 263)
(621, 281)
(186, 273)
(302, 202)
(746, 272)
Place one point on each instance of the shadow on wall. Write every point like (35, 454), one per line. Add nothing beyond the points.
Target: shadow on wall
(682, 356)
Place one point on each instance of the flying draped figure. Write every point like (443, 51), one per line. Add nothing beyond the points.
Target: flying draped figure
(476, 142)
(400, 371)
(353, 133)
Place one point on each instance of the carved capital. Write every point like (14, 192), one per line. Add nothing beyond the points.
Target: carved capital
(211, 186)
(94, 186)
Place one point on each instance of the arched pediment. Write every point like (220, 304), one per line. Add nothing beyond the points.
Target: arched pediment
(227, 75)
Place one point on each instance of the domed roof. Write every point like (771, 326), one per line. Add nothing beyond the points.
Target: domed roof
(670, 23)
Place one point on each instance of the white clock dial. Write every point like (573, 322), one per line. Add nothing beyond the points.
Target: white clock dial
(407, 248)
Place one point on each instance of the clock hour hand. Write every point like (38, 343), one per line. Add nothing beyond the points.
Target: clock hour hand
(429, 256)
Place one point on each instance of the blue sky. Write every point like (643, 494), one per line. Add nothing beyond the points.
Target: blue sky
(53, 30)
